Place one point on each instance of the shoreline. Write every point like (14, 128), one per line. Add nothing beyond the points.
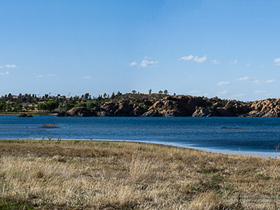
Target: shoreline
(274, 154)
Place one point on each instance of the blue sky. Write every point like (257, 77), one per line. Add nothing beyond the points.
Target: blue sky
(228, 48)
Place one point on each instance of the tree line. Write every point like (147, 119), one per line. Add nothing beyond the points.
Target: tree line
(48, 102)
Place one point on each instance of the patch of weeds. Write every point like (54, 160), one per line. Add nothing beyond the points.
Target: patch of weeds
(117, 146)
(41, 141)
(16, 174)
(124, 206)
(76, 142)
(208, 170)
(141, 148)
(262, 177)
(217, 178)
(58, 140)
(50, 138)
(7, 204)
(228, 187)
(205, 185)
(48, 206)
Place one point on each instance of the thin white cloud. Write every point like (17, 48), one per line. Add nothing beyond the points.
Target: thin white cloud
(10, 66)
(269, 81)
(222, 83)
(234, 61)
(1, 67)
(51, 75)
(277, 61)
(200, 60)
(40, 76)
(243, 78)
(146, 63)
(134, 63)
(258, 82)
(187, 58)
(4, 73)
(260, 92)
(87, 77)
(222, 93)
(215, 62)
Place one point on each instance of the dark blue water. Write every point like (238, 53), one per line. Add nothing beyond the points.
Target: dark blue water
(257, 136)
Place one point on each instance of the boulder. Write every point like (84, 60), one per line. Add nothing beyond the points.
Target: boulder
(268, 115)
(80, 112)
(102, 114)
(255, 113)
(110, 108)
(170, 113)
(202, 112)
(25, 115)
(151, 113)
(62, 114)
(138, 110)
(124, 109)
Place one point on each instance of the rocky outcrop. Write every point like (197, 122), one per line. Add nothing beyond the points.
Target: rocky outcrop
(183, 105)
(202, 112)
(174, 106)
(25, 115)
(62, 114)
(123, 108)
(80, 112)
(265, 108)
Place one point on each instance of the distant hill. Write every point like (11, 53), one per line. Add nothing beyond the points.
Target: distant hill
(146, 105)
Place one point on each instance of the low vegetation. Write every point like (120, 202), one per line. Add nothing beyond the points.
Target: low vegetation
(58, 174)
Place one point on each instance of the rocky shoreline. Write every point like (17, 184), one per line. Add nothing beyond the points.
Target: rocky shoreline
(180, 106)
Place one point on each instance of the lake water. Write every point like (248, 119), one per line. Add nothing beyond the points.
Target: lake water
(252, 136)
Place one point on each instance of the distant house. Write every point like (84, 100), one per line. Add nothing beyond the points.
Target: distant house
(14, 96)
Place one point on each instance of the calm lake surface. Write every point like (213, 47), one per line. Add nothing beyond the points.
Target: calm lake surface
(252, 136)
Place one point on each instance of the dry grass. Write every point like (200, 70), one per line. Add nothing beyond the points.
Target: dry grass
(50, 174)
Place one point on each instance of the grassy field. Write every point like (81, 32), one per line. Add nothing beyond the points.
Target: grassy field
(55, 174)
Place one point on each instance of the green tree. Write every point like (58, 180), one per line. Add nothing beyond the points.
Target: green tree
(18, 107)
(2, 106)
(68, 106)
(51, 105)
(41, 106)
(86, 95)
(119, 93)
(113, 95)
